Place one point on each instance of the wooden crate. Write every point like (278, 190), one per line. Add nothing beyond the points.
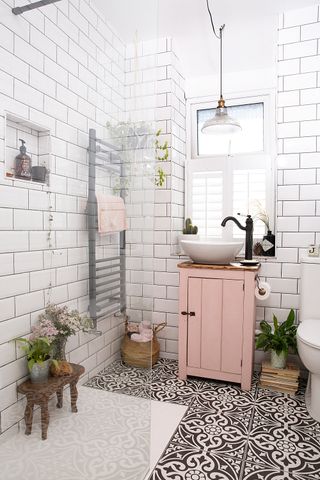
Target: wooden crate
(285, 380)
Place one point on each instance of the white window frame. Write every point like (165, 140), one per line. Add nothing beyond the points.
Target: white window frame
(196, 162)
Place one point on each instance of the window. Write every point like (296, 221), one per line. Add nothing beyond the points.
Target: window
(230, 177)
(249, 140)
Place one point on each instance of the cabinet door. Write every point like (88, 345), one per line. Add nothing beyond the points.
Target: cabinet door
(211, 323)
(215, 330)
(204, 328)
(232, 325)
(194, 322)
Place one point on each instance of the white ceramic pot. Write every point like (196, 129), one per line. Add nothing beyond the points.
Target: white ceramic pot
(278, 360)
(186, 237)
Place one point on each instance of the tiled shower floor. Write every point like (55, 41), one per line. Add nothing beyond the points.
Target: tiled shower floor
(225, 434)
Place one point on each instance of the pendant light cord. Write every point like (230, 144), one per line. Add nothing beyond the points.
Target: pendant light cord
(221, 30)
(211, 20)
(219, 37)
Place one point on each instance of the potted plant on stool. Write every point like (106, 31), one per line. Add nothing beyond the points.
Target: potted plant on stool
(38, 352)
(278, 339)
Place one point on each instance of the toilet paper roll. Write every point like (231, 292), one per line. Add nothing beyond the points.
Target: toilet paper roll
(262, 291)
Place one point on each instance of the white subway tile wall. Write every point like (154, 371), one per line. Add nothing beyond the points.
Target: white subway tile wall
(55, 70)
(298, 191)
(298, 157)
(152, 282)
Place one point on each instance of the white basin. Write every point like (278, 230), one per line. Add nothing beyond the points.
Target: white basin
(211, 251)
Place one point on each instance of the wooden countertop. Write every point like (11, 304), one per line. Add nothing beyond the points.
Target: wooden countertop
(232, 266)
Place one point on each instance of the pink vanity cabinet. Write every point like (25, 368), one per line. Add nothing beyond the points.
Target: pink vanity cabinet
(217, 322)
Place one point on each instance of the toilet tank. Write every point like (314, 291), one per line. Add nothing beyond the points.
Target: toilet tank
(310, 288)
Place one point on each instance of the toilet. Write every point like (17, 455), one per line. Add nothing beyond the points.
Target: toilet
(308, 332)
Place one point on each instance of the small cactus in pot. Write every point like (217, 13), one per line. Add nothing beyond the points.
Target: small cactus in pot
(189, 232)
(189, 228)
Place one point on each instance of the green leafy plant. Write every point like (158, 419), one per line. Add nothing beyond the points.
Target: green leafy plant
(37, 350)
(129, 137)
(162, 155)
(279, 338)
(190, 229)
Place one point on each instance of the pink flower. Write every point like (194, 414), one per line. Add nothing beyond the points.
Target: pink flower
(44, 329)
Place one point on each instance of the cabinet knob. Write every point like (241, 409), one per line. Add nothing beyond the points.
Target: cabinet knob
(184, 313)
(192, 314)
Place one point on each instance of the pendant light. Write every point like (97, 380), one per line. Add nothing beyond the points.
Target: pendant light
(221, 123)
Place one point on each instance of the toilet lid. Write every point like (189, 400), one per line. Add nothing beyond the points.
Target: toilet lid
(309, 332)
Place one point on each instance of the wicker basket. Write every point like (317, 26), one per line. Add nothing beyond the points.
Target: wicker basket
(141, 354)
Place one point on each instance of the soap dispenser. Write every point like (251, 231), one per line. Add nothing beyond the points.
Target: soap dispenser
(23, 163)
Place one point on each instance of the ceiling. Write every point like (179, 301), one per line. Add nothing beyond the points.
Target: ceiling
(250, 33)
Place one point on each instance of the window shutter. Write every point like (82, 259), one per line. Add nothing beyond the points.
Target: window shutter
(207, 202)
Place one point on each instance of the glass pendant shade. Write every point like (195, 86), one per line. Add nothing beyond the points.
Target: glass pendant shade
(221, 123)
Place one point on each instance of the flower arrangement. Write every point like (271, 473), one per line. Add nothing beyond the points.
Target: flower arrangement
(61, 321)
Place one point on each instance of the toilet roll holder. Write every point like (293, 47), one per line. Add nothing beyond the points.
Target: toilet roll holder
(262, 291)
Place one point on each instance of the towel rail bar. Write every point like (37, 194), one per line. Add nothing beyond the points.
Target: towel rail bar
(101, 306)
(106, 144)
(106, 275)
(107, 267)
(100, 260)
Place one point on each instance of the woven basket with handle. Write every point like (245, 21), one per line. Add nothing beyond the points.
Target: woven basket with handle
(141, 354)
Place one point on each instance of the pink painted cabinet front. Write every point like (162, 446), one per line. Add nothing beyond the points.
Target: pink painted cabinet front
(216, 323)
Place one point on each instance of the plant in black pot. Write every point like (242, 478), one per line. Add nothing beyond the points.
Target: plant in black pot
(278, 339)
(268, 242)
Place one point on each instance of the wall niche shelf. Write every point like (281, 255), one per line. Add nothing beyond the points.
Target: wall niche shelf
(38, 144)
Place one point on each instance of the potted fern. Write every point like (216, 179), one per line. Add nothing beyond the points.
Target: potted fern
(278, 339)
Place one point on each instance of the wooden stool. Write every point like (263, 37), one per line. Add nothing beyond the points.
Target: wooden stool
(40, 393)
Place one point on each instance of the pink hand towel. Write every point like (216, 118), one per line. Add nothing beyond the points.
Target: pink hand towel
(111, 214)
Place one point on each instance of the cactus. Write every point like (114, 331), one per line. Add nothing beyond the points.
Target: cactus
(189, 228)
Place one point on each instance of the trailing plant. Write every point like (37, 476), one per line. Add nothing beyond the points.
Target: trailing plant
(190, 229)
(38, 350)
(132, 136)
(279, 338)
(162, 155)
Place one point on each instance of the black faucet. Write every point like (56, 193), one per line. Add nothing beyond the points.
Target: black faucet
(249, 233)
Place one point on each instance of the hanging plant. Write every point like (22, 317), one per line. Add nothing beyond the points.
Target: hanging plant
(134, 136)
(162, 155)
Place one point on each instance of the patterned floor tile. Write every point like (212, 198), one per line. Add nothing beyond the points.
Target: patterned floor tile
(284, 448)
(289, 411)
(230, 396)
(253, 471)
(213, 431)
(164, 368)
(183, 463)
(118, 376)
(227, 433)
(168, 390)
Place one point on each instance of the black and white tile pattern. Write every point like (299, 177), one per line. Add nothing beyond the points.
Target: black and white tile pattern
(226, 434)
